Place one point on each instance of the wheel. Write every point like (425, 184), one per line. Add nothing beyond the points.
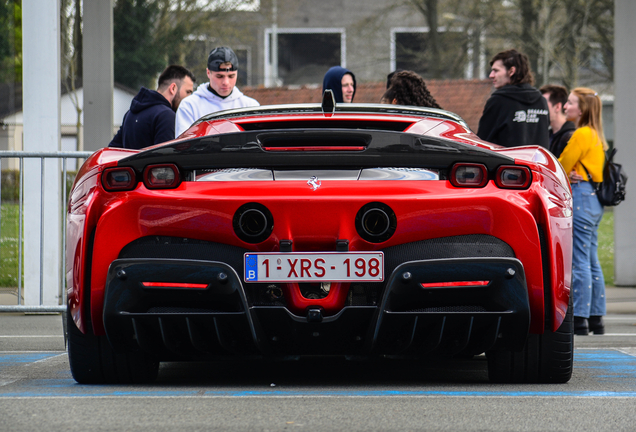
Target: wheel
(546, 358)
(93, 361)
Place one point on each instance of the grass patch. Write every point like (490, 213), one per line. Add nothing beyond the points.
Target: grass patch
(9, 245)
(606, 246)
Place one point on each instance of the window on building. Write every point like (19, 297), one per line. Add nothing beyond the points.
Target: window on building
(304, 56)
(244, 58)
(412, 51)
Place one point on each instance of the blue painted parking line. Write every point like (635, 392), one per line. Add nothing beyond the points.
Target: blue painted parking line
(13, 359)
(90, 393)
(608, 365)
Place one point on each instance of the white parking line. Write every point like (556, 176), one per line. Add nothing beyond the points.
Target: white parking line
(49, 358)
(29, 336)
(616, 334)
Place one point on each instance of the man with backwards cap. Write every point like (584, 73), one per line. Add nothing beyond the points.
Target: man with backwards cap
(219, 94)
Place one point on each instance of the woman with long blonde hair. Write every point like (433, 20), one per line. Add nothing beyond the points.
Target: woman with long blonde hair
(584, 158)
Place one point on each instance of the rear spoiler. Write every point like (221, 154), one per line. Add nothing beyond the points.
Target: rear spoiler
(323, 148)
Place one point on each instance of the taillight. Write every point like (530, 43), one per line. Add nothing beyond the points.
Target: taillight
(513, 177)
(119, 179)
(454, 284)
(164, 176)
(174, 285)
(469, 175)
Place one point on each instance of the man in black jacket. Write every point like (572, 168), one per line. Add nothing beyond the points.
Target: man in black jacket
(561, 129)
(515, 114)
(151, 117)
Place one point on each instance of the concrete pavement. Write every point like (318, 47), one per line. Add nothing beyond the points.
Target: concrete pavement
(620, 300)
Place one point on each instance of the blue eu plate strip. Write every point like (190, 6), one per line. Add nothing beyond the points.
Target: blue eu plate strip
(251, 267)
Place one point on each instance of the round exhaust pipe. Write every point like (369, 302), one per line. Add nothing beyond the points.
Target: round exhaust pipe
(376, 222)
(253, 223)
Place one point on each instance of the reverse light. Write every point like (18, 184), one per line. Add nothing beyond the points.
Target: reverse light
(454, 284)
(119, 179)
(513, 177)
(165, 176)
(468, 175)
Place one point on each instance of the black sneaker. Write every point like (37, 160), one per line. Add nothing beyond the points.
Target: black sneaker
(580, 326)
(596, 325)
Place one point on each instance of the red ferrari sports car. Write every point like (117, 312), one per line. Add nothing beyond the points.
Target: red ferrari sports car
(350, 230)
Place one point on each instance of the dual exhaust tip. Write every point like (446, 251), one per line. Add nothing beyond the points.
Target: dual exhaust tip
(375, 222)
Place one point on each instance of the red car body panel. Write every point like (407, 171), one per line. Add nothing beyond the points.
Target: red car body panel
(102, 223)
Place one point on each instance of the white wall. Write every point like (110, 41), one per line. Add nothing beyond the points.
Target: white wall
(121, 104)
(625, 117)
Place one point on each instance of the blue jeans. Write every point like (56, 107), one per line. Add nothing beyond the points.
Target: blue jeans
(588, 283)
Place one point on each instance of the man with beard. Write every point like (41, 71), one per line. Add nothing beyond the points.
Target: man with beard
(151, 117)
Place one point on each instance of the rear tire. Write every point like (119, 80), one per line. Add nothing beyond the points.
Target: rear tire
(546, 358)
(93, 361)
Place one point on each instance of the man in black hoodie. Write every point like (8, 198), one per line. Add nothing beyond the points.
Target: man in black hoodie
(561, 129)
(516, 113)
(151, 117)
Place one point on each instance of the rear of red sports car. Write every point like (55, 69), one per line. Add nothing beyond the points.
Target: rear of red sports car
(285, 231)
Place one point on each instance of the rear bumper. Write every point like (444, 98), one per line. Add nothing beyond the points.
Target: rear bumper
(408, 320)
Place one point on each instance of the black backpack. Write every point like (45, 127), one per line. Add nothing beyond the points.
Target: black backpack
(611, 191)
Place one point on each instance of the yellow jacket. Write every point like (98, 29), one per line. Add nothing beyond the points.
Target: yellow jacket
(584, 146)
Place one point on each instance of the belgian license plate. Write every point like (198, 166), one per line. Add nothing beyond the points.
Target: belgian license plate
(314, 267)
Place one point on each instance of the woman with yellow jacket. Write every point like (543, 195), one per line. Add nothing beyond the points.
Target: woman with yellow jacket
(583, 158)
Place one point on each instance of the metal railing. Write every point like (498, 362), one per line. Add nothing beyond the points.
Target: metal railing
(20, 155)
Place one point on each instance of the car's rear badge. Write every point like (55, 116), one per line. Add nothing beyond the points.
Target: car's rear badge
(314, 182)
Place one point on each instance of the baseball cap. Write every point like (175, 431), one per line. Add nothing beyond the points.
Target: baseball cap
(220, 55)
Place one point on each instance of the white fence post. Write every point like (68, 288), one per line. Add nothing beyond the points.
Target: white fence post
(41, 103)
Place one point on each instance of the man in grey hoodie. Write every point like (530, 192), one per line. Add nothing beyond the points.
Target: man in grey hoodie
(219, 94)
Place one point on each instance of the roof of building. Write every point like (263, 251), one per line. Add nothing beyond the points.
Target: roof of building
(463, 97)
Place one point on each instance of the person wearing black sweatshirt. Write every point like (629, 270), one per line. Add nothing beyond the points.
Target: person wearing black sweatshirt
(151, 117)
(561, 129)
(516, 113)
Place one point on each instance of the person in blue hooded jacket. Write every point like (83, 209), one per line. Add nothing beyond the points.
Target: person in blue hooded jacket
(342, 82)
(151, 117)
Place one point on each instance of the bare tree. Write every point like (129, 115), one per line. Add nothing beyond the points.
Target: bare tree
(71, 53)
(562, 38)
(182, 22)
(429, 9)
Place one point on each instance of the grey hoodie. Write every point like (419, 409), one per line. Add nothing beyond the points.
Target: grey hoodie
(203, 102)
